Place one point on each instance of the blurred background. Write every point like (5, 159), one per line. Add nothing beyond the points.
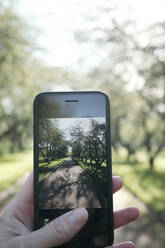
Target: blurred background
(114, 46)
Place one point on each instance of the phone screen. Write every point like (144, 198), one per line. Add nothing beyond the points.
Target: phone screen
(72, 163)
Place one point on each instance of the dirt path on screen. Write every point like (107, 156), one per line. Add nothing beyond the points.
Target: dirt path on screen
(146, 232)
(69, 186)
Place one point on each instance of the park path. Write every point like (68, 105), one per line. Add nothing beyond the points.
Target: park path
(146, 232)
(68, 186)
(7, 195)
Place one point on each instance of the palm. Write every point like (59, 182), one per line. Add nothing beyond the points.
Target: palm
(18, 217)
(23, 215)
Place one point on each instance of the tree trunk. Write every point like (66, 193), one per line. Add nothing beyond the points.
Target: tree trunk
(128, 155)
(20, 144)
(151, 161)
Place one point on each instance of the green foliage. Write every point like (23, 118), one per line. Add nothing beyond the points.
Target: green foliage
(137, 114)
(147, 185)
(13, 167)
(132, 73)
(17, 88)
(52, 144)
(46, 169)
(22, 77)
(89, 148)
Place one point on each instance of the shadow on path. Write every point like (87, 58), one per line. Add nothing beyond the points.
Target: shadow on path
(146, 232)
(70, 186)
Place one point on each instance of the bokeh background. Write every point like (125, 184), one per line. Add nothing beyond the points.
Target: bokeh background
(114, 46)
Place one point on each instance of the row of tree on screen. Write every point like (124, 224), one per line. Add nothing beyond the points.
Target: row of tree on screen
(85, 147)
(89, 147)
(52, 145)
(130, 58)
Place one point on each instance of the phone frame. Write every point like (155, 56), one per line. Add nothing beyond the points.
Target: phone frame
(108, 156)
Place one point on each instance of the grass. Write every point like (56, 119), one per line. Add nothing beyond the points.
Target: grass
(53, 163)
(13, 167)
(147, 185)
(47, 168)
(16, 165)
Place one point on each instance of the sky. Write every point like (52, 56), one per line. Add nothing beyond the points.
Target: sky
(66, 124)
(58, 20)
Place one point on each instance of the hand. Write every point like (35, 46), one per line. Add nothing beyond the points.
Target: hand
(16, 222)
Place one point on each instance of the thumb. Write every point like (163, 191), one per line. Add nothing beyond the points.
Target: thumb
(58, 231)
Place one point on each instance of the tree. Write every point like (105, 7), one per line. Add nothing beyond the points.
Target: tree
(77, 143)
(52, 145)
(153, 96)
(22, 77)
(89, 147)
(152, 113)
(123, 57)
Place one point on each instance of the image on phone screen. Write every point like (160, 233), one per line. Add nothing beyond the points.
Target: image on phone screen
(72, 173)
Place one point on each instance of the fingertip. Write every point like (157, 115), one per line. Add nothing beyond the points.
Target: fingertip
(125, 216)
(132, 213)
(59, 230)
(128, 244)
(78, 216)
(118, 177)
(135, 211)
(117, 183)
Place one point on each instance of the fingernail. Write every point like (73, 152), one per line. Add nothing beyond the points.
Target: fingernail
(130, 245)
(78, 216)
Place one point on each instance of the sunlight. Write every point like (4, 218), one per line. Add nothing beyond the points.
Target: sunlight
(58, 21)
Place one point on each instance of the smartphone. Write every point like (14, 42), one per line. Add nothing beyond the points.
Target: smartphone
(72, 163)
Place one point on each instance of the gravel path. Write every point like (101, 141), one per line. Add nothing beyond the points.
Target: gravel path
(146, 232)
